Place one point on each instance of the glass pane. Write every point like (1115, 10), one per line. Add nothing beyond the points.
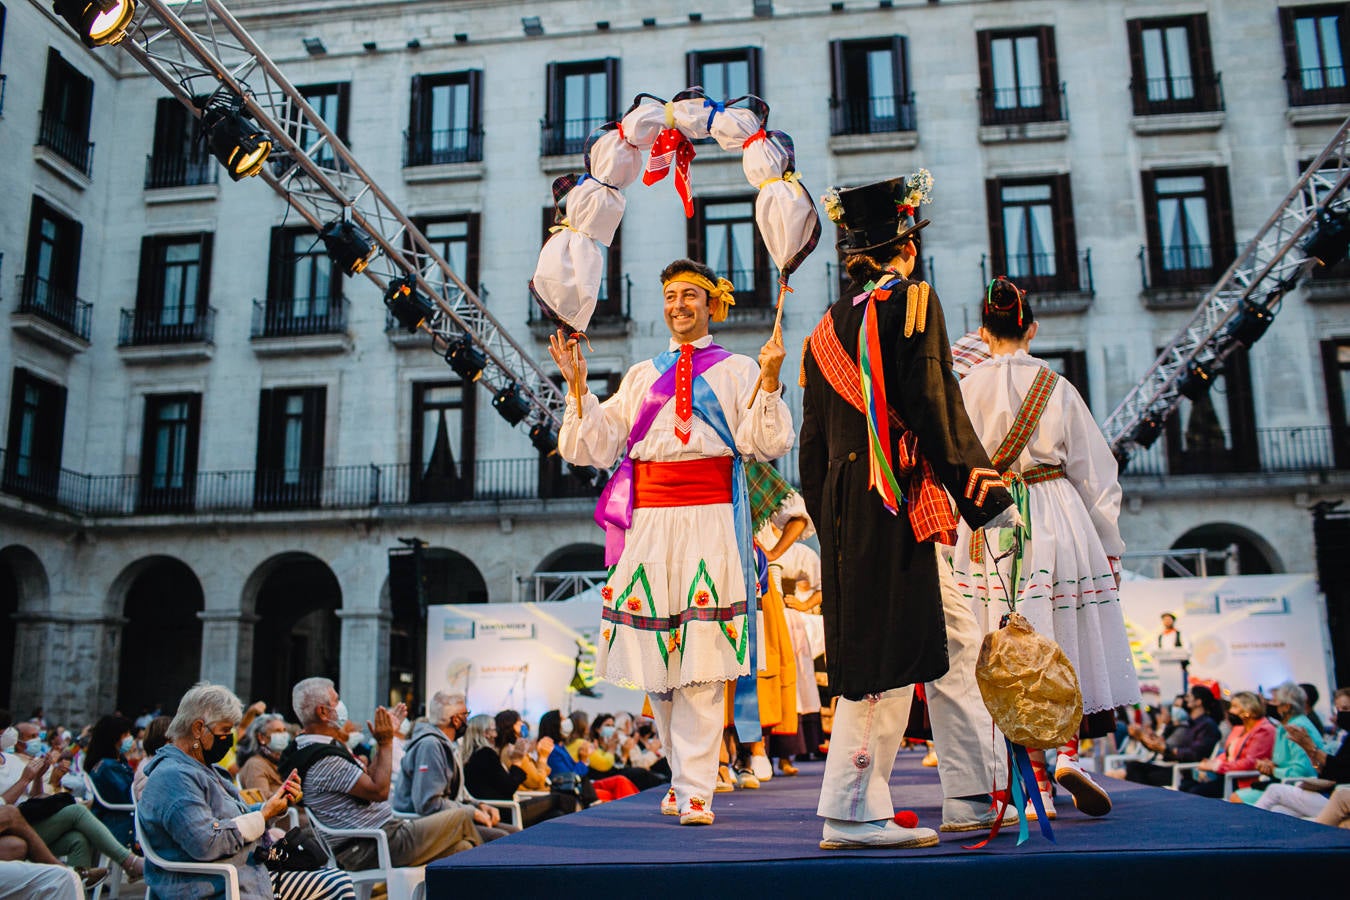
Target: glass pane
(880, 74)
(1042, 240)
(1170, 233)
(293, 435)
(1022, 193)
(1029, 71)
(171, 301)
(1186, 184)
(1179, 63)
(1155, 63)
(1309, 57)
(1345, 383)
(1015, 240)
(1331, 51)
(716, 212)
(1005, 73)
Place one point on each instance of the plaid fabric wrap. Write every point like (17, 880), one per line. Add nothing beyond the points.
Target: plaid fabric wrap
(968, 351)
(1028, 417)
(930, 512)
(680, 619)
(767, 489)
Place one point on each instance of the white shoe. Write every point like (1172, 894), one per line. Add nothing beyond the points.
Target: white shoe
(1088, 796)
(669, 807)
(746, 780)
(1049, 805)
(840, 835)
(762, 768)
(697, 813)
(973, 815)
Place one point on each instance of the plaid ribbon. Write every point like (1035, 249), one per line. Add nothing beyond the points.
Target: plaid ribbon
(968, 351)
(930, 512)
(767, 489)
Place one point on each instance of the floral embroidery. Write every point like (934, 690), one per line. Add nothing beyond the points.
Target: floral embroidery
(605, 634)
(695, 804)
(673, 641)
(702, 598)
(634, 604)
(731, 631)
(607, 592)
(861, 758)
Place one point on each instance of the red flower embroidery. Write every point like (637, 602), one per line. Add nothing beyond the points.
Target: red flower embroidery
(695, 804)
(633, 604)
(605, 634)
(607, 592)
(731, 631)
(673, 641)
(702, 598)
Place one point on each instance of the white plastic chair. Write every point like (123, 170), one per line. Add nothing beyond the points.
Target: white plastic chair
(404, 883)
(114, 882)
(220, 870)
(512, 806)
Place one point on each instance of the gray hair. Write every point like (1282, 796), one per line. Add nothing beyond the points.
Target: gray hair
(206, 702)
(1292, 695)
(476, 736)
(308, 695)
(438, 709)
(251, 742)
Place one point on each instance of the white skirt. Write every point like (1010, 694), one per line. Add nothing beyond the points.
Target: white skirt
(1067, 593)
(675, 604)
(808, 695)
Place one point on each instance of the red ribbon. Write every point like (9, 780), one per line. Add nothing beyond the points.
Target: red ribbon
(672, 148)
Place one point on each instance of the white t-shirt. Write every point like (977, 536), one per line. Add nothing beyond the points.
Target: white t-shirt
(11, 770)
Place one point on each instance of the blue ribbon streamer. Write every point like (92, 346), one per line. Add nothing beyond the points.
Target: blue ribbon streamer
(716, 108)
(1023, 760)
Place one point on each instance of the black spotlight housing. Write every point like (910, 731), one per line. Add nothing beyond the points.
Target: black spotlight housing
(239, 145)
(1148, 430)
(348, 245)
(1330, 239)
(1196, 381)
(510, 405)
(406, 303)
(1250, 323)
(97, 22)
(544, 439)
(466, 359)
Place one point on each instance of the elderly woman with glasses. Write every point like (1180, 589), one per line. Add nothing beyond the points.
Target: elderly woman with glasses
(191, 811)
(1251, 741)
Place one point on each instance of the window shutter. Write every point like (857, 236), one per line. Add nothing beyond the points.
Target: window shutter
(35, 213)
(53, 432)
(415, 109)
(311, 449)
(475, 142)
(148, 278)
(51, 87)
(1292, 80)
(1050, 73)
(70, 271)
(1066, 240)
(1138, 75)
(1152, 236)
(1076, 369)
(151, 414)
(194, 423)
(986, 65)
(266, 426)
(204, 272)
(695, 232)
(473, 239)
(1221, 207)
(755, 58)
(344, 101)
(997, 249)
(1202, 58)
(692, 74)
(276, 266)
(547, 222)
(1331, 376)
(15, 419)
(612, 87)
(837, 83)
(900, 67)
(552, 96)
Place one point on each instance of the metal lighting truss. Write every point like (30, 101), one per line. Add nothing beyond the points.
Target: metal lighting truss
(1269, 267)
(197, 47)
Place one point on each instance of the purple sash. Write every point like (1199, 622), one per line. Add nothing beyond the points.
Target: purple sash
(614, 511)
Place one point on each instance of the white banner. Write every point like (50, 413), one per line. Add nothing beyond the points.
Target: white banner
(519, 656)
(1245, 631)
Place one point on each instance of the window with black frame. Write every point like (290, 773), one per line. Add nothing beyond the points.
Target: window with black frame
(304, 290)
(441, 456)
(1172, 66)
(332, 103)
(1031, 232)
(48, 283)
(580, 96)
(870, 86)
(1315, 40)
(1336, 370)
(722, 233)
(1216, 431)
(445, 119)
(1188, 217)
(1071, 365)
(726, 74)
(178, 156)
(557, 481)
(289, 469)
(1019, 77)
(610, 301)
(169, 452)
(67, 104)
(455, 237)
(172, 294)
(37, 422)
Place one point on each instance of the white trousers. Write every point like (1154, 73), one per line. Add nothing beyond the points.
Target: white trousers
(866, 736)
(25, 880)
(1291, 800)
(689, 721)
(971, 755)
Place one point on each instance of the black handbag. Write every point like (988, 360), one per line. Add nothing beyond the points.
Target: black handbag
(40, 809)
(293, 852)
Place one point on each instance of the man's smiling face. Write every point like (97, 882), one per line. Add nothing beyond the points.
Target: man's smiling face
(686, 311)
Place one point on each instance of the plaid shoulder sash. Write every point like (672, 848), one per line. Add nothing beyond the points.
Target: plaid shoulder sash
(930, 512)
(1028, 417)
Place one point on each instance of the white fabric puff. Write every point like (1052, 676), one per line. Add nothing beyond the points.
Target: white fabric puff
(731, 127)
(615, 161)
(691, 117)
(567, 277)
(595, 210)
(786, 218)
(643, 123)
(764, 159)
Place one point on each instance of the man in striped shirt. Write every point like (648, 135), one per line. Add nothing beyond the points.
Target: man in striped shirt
(341, 793)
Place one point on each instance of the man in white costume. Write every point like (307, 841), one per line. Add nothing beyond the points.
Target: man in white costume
(677, 619)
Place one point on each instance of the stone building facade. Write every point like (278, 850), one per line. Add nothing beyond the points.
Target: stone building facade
(213, 442)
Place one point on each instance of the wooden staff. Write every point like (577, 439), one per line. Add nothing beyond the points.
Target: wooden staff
(783, 291)
(576, 367)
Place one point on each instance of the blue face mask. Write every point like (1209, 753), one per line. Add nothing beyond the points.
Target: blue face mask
(33, 747)
(606, 731)
(524, 729)
(128, 744)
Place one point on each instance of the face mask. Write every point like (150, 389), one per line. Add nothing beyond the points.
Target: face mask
(341, 712)
(406, 728)
(606, 732)
(565, 727)
(524, 729)
(219, 747)
(8, 738)
(1234, 719)
(278, 742)
(354, 740)
(33, 747)
(1343, 719)
(1180, 716)
(128, 744)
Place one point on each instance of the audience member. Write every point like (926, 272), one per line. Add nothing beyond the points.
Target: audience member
(1251, 740)
(341, 794)
(108, 769)
(1317, 798)
(51, 882)
(1191, 742)
(519, 753)
(156, 736)
(265, 739)
(191, 810)
(1288, 761)
(1312, 695)
(610, 756)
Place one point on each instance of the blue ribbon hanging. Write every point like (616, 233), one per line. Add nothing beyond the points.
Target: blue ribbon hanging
(1018, 754)
(709, 103)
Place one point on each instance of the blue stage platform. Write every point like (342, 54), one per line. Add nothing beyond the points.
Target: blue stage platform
(764, 843)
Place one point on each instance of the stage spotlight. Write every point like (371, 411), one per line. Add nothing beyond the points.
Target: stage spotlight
(1197, 380)
(544, 440)
(234, 140)
(1148, 430)
(510, 405)
(1252, 321)
(97, 22)
(348, 245)
(466, 359)
(406, 305)
(1330, 239)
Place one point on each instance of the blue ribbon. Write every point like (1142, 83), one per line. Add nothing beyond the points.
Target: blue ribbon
(1018, 754)
(761, 569)
(587, 176)
(716, 108)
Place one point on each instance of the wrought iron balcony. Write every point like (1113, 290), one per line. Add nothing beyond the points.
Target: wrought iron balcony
(1308, 448)
(143, 328)
(55, 304)
(1177, 94)
(1045, 273)
(1317, 86)
(560, 138)
(434, 148)
(300, 316)
(71, 144)
(871, 115)
(1021, 105)
(179, 171)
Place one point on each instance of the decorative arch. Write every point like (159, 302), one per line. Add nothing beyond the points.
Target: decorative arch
(159, 597)
(23, 588)
(1255, 554)
(297, 634)
(582, 557)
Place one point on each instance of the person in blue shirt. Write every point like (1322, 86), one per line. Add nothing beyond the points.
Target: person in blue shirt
(106, 762)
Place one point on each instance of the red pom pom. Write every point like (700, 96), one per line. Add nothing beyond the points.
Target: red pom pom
(907, 818)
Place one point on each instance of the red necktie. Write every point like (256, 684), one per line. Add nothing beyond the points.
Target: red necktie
(684, 393)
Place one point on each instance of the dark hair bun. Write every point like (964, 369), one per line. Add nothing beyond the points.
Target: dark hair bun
(1006, 313)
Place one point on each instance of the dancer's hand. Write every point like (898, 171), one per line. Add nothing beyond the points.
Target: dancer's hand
(771, 360)
(573, 367)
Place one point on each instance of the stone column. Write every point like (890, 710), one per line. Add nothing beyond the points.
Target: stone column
(361, 681)
(227, 649)
(67, 664)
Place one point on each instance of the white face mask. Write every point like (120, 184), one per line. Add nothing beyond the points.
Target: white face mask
(341, 712)
(406, 728)
(565, 727)
(8, 738)
(279, 742)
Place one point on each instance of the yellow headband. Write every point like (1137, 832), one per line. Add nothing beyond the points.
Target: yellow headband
(719, 293)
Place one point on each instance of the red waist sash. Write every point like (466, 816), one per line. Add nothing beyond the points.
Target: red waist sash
(690, 482)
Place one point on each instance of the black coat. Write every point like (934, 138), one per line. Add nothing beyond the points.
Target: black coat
(882, 605)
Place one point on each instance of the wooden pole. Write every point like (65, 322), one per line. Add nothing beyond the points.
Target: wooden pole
(576, 366)
(783, 291)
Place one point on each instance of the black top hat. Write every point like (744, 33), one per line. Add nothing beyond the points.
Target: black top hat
(878, 214)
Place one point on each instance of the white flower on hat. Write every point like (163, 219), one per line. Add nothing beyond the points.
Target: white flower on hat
(834, 207)
(918, 189)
